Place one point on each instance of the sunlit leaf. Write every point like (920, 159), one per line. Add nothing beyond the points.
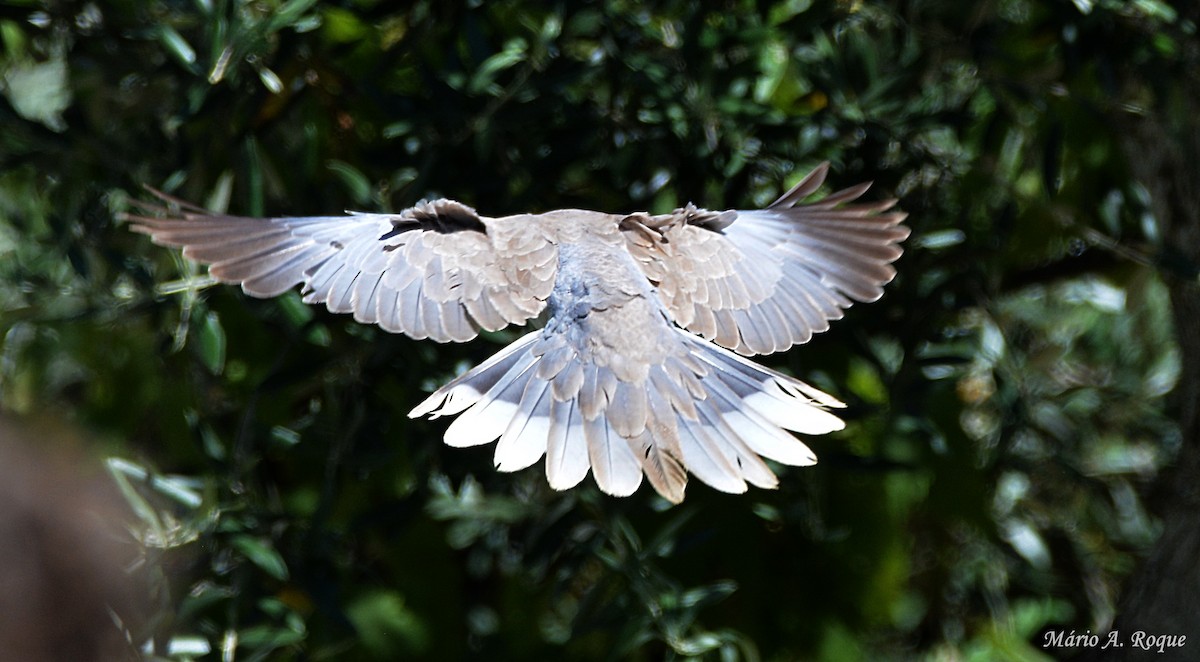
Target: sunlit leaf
(177, 46)
(38, 91)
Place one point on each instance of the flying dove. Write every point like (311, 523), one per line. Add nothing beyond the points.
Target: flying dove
(639, 367)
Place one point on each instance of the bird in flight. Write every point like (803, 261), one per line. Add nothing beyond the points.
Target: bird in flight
(639, 368)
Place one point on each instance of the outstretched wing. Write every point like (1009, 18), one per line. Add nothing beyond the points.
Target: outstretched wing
(761, 281)
(437, 270)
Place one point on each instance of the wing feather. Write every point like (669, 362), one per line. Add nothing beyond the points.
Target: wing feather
(436, 270)
(366, 299)
(761, 281)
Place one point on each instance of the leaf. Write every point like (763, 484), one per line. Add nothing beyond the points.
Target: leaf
(707, 595)
(343, 26)
(781, 85)
(180, 489)
(13, 38)
(697, 645)
(270, 80)
(663, 542)
(218, 199)
(295, 310)
(285, 436)
(262, 554)
(178, 47)
(188, 645)
(865, 382)
(289, 14)
(785, 11)
(121, 470)
(266, 638)
(514, 52)
(39, 92)
(387, 628)
(212, 343)
(353, 179)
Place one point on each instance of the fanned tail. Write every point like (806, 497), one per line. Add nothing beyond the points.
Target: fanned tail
(704, 410)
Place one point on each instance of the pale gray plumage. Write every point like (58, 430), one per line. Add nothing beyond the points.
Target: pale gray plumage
(611, 384)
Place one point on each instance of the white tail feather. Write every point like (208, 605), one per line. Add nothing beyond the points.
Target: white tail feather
(468, 387)
(704, 408)
(566, 451)
(524, 442)
(614, 464)
(704, 456)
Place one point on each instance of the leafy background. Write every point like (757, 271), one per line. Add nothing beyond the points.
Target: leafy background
(1021, 411)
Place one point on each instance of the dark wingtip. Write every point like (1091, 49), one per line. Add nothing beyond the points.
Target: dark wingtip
(172, 200)
(804, 188)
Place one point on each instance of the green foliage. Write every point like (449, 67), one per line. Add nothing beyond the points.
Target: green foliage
(1006, 395)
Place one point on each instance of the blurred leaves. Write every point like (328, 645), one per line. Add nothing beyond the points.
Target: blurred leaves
(1005, 397)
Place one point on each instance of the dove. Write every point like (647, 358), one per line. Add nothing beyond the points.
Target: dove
(639, 368)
